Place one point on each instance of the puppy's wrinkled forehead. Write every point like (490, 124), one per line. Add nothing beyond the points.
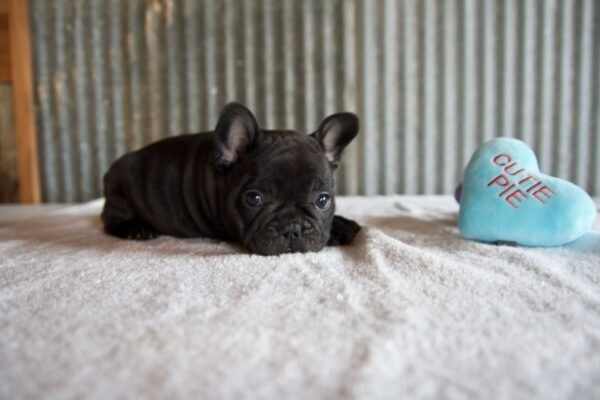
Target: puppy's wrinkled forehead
(293, 158)
(297, 155)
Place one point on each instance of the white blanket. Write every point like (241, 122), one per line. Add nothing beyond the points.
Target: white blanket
(411, 310)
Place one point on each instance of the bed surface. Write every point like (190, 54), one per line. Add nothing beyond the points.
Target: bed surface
(410, 310)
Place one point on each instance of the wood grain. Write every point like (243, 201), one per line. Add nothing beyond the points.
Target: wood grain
(23, 108)
(5, 75)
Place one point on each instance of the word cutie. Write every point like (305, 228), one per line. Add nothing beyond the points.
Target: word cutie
(517, 185)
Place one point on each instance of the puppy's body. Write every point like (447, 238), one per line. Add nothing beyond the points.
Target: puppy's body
(170, 185)
(206, 185)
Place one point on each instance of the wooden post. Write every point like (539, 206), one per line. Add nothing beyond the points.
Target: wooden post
(23, 107)
(5, 75)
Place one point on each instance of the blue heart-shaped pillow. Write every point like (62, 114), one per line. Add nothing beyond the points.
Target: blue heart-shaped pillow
(505, 198)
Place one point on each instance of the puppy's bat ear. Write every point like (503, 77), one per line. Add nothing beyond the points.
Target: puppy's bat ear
(335, 133)
(235, 135)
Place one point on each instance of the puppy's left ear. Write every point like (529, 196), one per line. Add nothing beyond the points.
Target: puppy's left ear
(235, 134)
(335, 133)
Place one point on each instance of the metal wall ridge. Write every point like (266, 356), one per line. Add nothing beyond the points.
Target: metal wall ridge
(430, 81)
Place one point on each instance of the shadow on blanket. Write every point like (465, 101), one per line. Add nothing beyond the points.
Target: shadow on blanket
(412, 224)
(85, 231)
(588, 243)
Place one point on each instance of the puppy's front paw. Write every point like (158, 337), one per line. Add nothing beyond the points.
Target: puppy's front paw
(343, 231)
(132, 229)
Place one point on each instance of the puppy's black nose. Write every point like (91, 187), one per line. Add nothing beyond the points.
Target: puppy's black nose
(292, 231)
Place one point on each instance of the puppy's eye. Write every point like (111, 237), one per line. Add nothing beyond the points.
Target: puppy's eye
(323, 201)
(252, 198)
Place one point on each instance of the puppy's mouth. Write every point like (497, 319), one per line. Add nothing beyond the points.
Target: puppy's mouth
(271, 240)
(271, 248)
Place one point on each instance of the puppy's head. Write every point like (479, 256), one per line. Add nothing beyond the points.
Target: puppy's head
(280, 183)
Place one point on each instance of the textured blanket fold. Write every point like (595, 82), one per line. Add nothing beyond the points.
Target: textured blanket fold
(410, 310)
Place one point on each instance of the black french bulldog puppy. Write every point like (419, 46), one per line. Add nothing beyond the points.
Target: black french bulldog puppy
(271, 191)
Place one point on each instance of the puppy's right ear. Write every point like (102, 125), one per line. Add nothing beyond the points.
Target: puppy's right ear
(235, 135)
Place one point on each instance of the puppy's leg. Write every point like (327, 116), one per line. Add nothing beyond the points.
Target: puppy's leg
(343, 231)
(120, 221)
(131, 229)
(119, 217)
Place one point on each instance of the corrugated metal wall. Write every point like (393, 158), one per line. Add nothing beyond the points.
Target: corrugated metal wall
(431, 80)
